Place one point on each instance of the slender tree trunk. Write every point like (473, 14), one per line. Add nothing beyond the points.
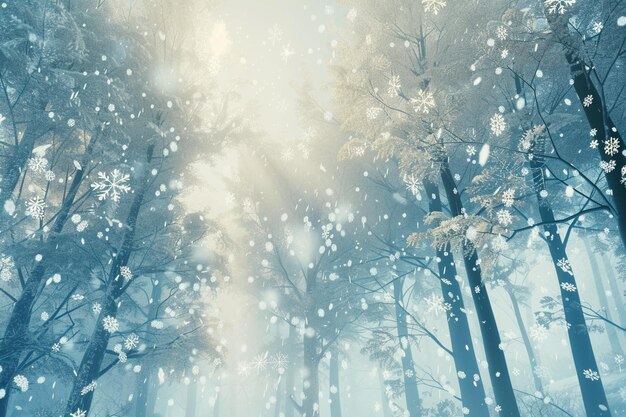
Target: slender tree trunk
(532, 358)
(591, 386)
(618, 296)
(16, 335)
(290, 372)
(611, 332)
(496, 360)
(280, 389)
(413, 403)
(192, 398)
(468, 373)
(310, 405)
(93, 357)
(596, 112)
(142, 392)
(334, 392)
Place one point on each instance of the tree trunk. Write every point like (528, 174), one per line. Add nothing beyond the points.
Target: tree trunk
(385, 400)
(592, 389)
(413, 403)
(468, 373)
(618, 296)
(16, 335)
(280, 389)
(597, 113)
(334, 393)
(310, 405)
(89, 369)
(496, 360)
(534, 363)
(290, 372)
(192, 398)
(611, 332)
(142, 392)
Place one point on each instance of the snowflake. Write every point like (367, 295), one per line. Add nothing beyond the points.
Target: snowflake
(597, 27)
(280, 362)
(436, 304)
(568, 286)
(611, 146)
(412, 184)
(423, 102)
(565, 266)
(497, 124)
(122, 357)
(558, 6)
(131, 341)
(593, 132)
(588, 100)
(96, 308)
(126, 273)
(593, 144)
(286, 154)
(7, 266)
(504, 53)
(372, 112)
(111, 186)
(36, 208)
(504, 217)
(409, 373)
(608, 166)
(394, 86)
(259, 362)
(498, 408)
(56, 347)
(22, 382)
(538, 332)
(275, 34)
(501, 33)
(433, 6)
(50, 176)
(37, 164)
(79, 413)
(471, 150)
(508, 197)
(110, 324)
(89, 388)
(591, 374)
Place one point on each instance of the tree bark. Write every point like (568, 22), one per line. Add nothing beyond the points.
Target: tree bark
(411, 393)
(334, 392)
(91, 362)
(496, 360)
(597, 113)
(16, 335)
(468, 373)
(532, 358)
(611, 332)
(618, 296)
(591, 387)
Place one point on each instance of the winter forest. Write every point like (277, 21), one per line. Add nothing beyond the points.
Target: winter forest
(312, 208)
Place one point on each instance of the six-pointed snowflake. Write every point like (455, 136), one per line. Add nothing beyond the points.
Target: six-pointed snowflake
(558, 6)
(111, 185)
(611, 146)
(423, 102)
(36, 208)
(110, 324)
(497, 124)
(433, 6)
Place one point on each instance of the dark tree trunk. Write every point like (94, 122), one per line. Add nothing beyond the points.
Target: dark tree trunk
(496, 360)
(192, 398)
(618, 296)
(592, 389)
(413, 403)
(468, 373)
(532, 358)
(597, 113)
(16, 335)
(334, 392)
(93, 357)
(611, 332)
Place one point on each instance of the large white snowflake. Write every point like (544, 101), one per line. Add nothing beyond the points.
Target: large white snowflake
(412, 184)
(36, 208)
(591, 374)
(79, 413)
(111, 185)
(504, 217)
(423, 102)
(131, 341)
(497, 124)
(538, 332)
(37, 164)
(565, 266)
(394, 86)
(110, 324)
(433, 6)
(558, 6)
(436, 304)
(611, 146)
(568, 286)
